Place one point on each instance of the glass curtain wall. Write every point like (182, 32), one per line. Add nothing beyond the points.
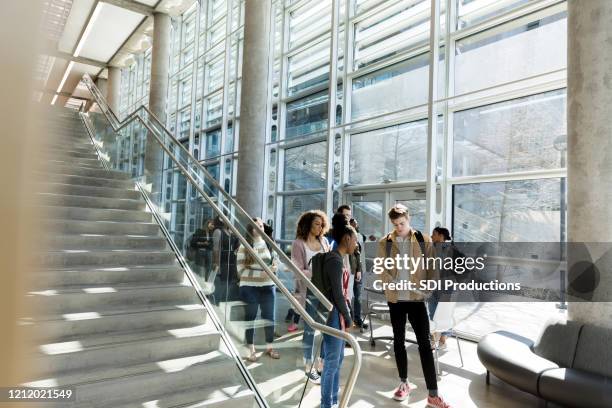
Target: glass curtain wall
(134, 92)
(500, 108)
(204, 102)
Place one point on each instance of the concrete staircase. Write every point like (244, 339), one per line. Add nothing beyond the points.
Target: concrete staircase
(117, 319)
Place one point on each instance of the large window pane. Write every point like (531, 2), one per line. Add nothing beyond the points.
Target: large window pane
(213, 143)
(395, 153)
(188, 29)
(185, 89)
(401, 85)
(474, 11)
(489, 59)
(307, 116)
(214, 74)
(510, 211)
(184, 123)
(293, 206)
(214, 109)
(400, 26)
(516, 135)
(309, 21)
(305, 167)
(309, 68)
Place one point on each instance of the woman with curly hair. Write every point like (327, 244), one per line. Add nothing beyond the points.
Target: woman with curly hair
(309, 241)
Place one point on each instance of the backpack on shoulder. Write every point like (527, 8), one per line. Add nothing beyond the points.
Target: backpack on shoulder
(319, 277)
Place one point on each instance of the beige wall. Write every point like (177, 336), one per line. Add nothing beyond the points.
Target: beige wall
(18, 51)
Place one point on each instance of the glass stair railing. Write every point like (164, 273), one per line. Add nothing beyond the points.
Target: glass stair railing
(207, 252)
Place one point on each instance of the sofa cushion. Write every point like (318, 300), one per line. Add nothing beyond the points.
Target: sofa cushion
(557, 343)
(594, 353)
(510, 358)
(575, 388)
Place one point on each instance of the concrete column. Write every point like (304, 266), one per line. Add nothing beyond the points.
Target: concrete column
(113, 92)
(589, 91)
(160, 66)
(253, 106)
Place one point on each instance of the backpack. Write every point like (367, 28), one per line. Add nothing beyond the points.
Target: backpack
(419, 237)
(319, 277)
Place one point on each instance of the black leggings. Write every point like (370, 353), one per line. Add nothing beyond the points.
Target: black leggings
(419, 320)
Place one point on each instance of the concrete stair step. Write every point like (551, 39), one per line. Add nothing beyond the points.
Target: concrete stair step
(91, 191)
(67, 258)
(69, 151)
(82, 146)
(65, 127)
(102, 241)
(224, 395)
(134, 347)
(109, 387)
(68, 327)
(78, 180)
(68, 143)
(88, 163)
(58, 199)
(67, 169)
(107, 276)
(63, 226)
(111, 297)
(71, 142)
(95, 214)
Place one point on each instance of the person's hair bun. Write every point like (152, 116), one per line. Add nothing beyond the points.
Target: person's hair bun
(339, 221)
(340, 227)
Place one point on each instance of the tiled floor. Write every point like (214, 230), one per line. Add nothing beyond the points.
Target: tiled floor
(462, 386)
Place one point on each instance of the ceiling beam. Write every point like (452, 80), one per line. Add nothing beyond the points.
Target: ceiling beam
(132, 6)
(80, 60)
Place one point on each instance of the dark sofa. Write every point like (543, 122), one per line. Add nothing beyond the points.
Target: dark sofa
(570, 364)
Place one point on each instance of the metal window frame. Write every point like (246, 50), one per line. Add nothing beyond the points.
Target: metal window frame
(446, 105)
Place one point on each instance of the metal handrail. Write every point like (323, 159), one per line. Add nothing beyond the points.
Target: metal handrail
(233, 351)
(118, 125)
(352, 378)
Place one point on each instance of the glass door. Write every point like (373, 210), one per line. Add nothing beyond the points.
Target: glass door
(370, 212)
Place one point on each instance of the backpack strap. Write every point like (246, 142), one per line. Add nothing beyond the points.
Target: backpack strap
(421, 240)
(388, 246)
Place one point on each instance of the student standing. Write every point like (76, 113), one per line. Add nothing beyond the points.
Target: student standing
(404, 240)
(337, 274)
(257, 290)
(309, 241)
(357, 271)
(444, 249)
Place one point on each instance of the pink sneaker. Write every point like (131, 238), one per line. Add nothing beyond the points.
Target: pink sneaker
(292, 327)
(402, 392)
(436, 402)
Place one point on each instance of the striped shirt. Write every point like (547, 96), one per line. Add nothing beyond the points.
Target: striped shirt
(253, 274)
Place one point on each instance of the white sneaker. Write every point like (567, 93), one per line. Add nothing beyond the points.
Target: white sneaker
(402, 392)
(313, 377)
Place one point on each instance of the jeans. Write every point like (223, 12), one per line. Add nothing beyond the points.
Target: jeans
(293, 316)
(334, 354)
(432, 305)
(312, 306)
(357, 302)
(419, 320)
(259, 297)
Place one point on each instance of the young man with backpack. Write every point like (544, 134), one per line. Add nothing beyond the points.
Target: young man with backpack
(406, 241)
